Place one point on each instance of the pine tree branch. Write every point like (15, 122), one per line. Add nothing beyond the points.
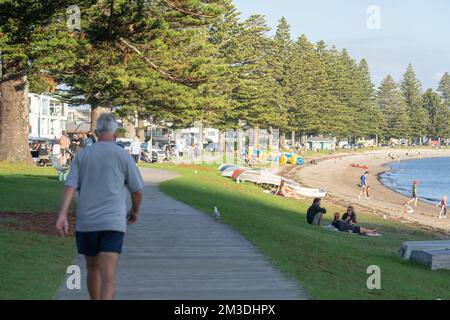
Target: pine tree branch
(192, 82)
(188, 12)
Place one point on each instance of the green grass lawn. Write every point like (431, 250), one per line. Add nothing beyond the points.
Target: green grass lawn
(32, 265)
(26, 188)
(329, 265)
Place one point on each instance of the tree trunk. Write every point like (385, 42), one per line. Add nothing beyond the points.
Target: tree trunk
(222, 142)
(141, 130)
(293, 139)
(97, 111)
(14, 115)
(129, 125)
(270, 138)
(282, 140)
(256, 136)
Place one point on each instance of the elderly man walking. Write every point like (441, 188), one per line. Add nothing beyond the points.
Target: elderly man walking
(102, 174)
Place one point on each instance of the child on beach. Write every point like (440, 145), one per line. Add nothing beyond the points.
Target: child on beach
(443, 206)
(407, 209)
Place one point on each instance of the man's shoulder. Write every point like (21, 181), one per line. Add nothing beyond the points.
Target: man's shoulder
(111, 148)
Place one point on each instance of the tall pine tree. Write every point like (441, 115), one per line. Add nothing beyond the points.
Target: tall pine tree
(412, 93)
(439, 115)
(444, 88)
(394, 108)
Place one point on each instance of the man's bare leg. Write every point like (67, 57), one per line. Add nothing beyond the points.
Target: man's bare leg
(108, 265)
(94, 279)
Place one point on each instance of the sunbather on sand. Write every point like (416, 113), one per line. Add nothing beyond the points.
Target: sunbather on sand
(286, 192)
(346, 227)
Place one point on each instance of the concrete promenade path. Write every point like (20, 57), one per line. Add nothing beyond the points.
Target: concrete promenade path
(176, 252)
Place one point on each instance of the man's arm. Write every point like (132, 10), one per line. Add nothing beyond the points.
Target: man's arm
(62, 223)
(136, 199)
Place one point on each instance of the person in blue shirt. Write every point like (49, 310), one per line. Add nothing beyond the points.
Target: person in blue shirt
(364, 186)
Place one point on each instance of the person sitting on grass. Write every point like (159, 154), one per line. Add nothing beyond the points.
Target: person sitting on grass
(315, 213)
(284, 191)
(350, 216)
(343, 226)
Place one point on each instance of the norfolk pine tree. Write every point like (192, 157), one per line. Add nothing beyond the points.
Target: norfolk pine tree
(412, 93)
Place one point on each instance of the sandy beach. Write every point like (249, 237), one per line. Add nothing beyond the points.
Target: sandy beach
(340, 180)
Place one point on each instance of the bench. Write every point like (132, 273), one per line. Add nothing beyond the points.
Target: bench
(434, 259)
(408, 247)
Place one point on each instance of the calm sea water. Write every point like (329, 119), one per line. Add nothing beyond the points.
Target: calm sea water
(433, 174)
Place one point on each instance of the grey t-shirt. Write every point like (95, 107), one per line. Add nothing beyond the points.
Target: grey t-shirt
(103, 174)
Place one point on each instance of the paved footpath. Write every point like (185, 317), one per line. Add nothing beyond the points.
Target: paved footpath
(176, 252)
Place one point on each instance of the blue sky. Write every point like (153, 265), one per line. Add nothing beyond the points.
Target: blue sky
(416, 31)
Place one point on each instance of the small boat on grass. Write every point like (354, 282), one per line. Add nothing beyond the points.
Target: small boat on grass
(263, 177)
(228, 172)
(224, 167)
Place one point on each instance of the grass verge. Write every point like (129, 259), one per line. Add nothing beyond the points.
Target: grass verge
(328, 265)
(32, 264)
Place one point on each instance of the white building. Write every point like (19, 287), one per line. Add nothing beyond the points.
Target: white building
(210, 135)
(48, 116)
(79, 114)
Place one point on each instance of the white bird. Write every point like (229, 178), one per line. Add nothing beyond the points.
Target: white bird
(217, 215)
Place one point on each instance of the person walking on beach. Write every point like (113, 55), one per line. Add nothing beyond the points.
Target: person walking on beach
(443, 205)
(415, 197)
(364, 186)
(102, 174)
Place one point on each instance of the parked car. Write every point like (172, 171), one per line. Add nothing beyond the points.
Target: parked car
(124, 144)
(161, 155)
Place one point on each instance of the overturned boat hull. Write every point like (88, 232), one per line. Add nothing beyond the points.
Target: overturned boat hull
(268, 178)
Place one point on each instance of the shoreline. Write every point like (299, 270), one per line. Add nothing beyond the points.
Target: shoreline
(340, 180)
(421, 199)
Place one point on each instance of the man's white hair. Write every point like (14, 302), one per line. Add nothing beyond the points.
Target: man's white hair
(107, 123)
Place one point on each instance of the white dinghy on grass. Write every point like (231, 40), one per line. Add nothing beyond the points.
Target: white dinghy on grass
(260, 176)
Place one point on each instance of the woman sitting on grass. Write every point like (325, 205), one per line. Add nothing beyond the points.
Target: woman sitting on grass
(347, 227)
(350, 216)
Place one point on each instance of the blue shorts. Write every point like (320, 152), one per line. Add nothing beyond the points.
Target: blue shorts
(92, 243)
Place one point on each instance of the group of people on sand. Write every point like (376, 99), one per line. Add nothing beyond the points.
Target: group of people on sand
(346, 223)
(415, 198)
(408, 209)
